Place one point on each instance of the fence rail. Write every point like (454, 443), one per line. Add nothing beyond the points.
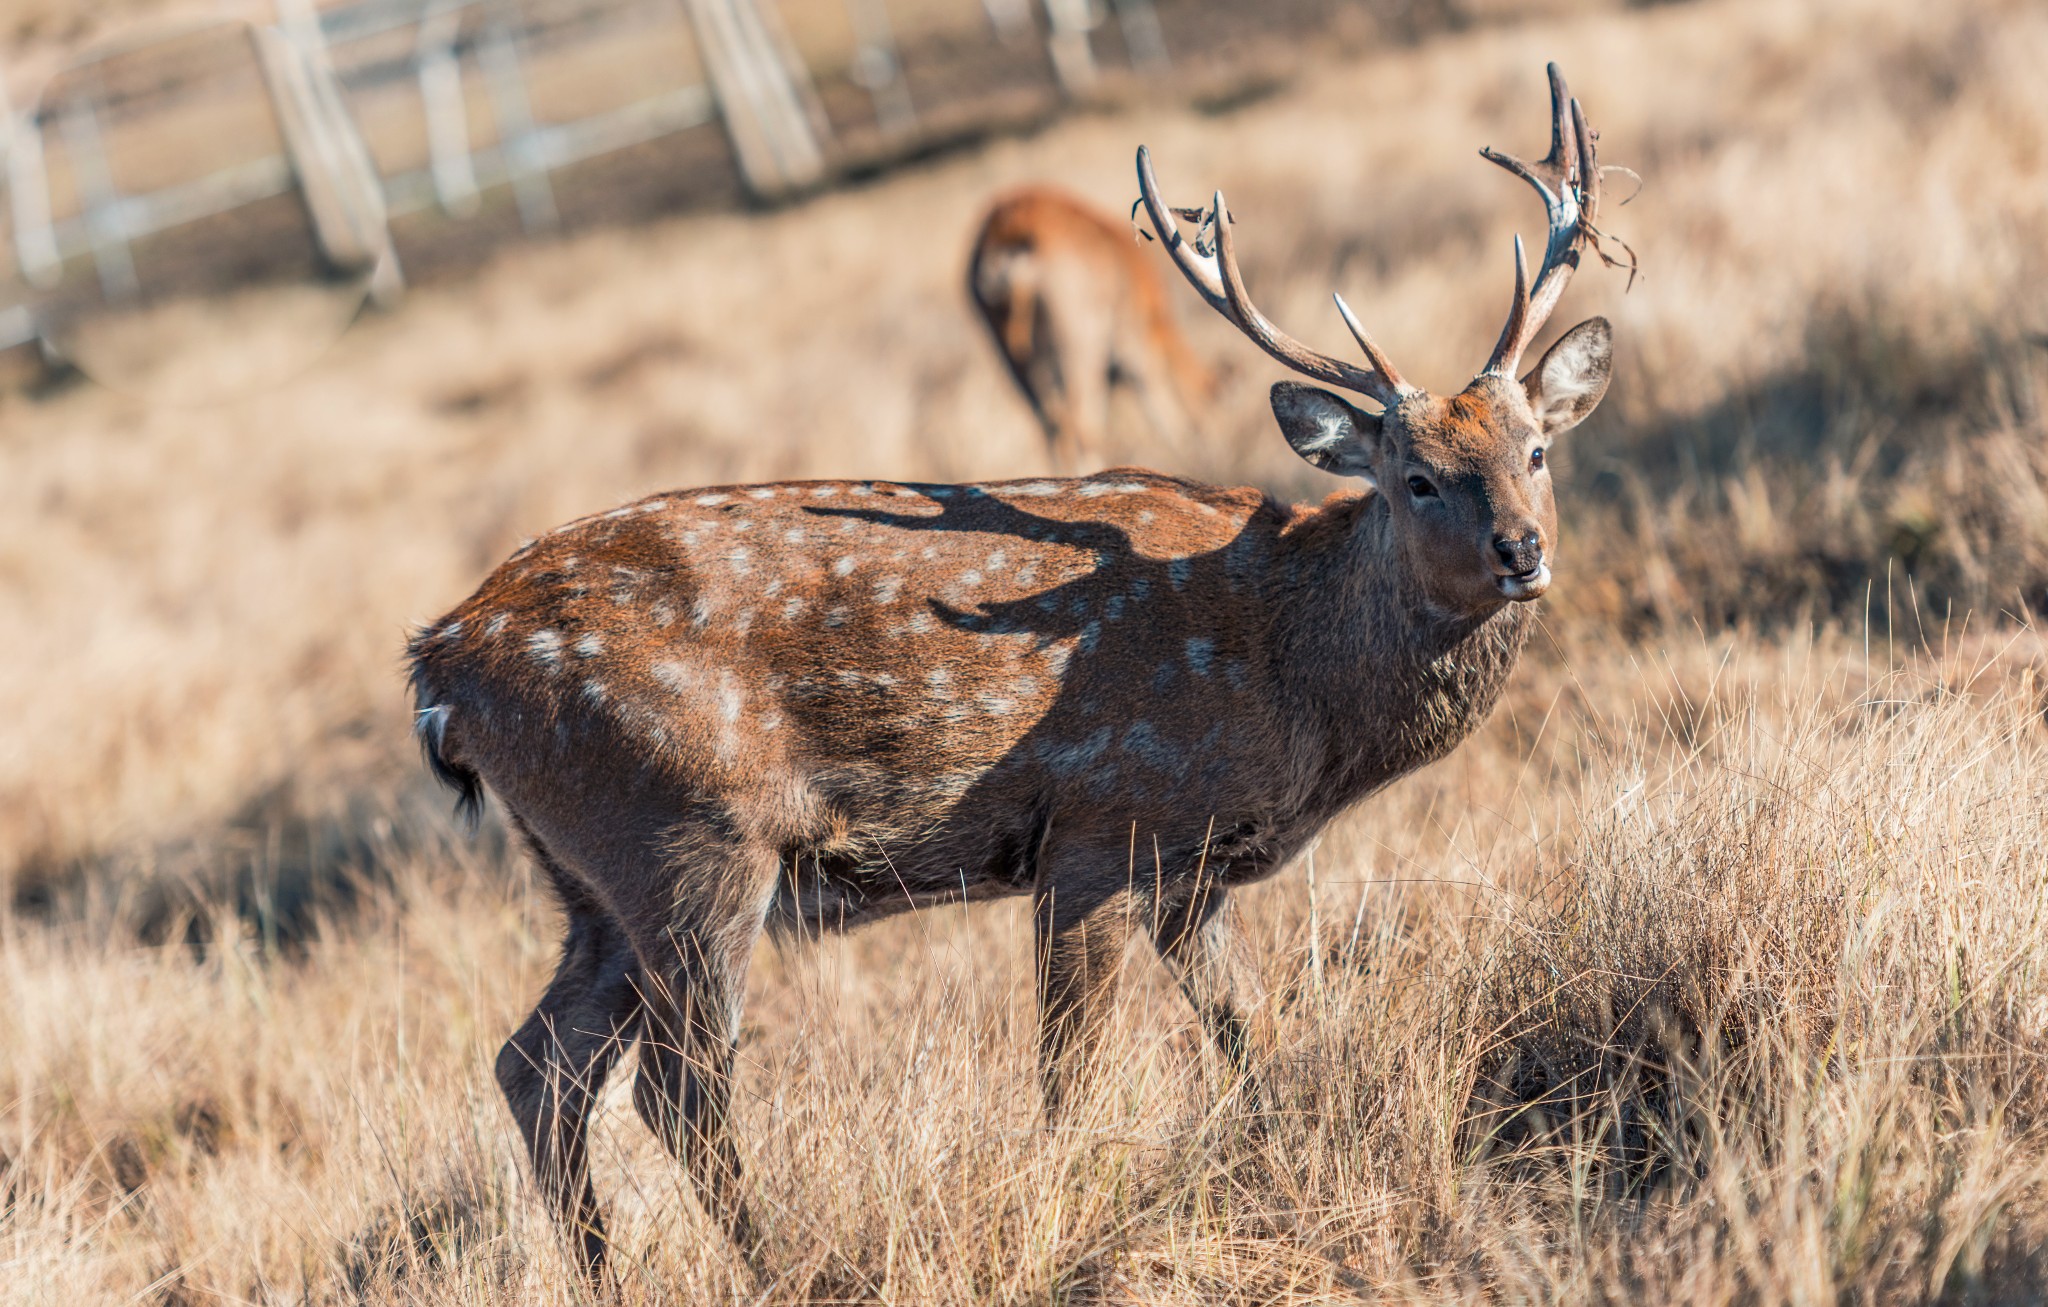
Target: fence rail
(319, 67)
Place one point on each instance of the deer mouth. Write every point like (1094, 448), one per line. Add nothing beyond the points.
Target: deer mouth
(1521, 587)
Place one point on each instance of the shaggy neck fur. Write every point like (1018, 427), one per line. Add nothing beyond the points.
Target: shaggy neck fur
(1375, 680)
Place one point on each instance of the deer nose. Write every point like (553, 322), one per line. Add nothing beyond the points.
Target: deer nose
(1520, 554)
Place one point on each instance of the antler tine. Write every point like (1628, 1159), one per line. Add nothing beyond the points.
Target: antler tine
(1221, 284)
(1381, 382)
(1568, 180)
(1199, 269)
(1518, 312)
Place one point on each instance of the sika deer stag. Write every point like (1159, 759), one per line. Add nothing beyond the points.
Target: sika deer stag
(1075, 307)
(815, 704)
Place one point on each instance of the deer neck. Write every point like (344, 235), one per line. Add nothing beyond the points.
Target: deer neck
(1378, 680)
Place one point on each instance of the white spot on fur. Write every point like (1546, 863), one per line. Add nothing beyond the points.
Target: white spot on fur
(546, 647)
(824, 492)
(863, 490)
(701, 609)
(743, 623)
(594, 691)
(793, 536)
(761, 492)
(921, 624)
(589, 646)
(452, 631)
(1094, 490)
(887, 589)
(997, 561)
(1201, 653)
(730, 701)
(674, 675)
(1072, 757)
(495, 625)
(844, 566)
(771, 721)
(740, 559)
(996, 705)
(1113, 608)
(836, 617)
(1179, 571)
(663, 614)
(707, 501)
(1038, 489)
(790, 609)
(970, 577)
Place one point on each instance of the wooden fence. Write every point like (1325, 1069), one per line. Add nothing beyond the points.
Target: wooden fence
(461, 61)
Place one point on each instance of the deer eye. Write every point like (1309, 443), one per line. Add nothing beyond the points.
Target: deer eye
(1420, 488)
(1536, 459)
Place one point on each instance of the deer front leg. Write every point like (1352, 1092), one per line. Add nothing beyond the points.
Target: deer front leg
(1082, 929)
(1196, 935)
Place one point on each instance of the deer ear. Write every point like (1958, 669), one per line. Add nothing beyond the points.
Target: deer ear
(1326, 431)
(1572, 376)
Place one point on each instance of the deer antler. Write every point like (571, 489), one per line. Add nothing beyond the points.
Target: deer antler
(1214, 274)
(1568, 179)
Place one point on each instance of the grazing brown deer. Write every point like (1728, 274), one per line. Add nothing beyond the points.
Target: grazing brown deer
(1075, 307)
(815, 704)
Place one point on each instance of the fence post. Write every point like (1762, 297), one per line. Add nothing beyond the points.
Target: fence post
(105, 221)
(1139, 21)
(335, 171)
(518, 142)
(877, 67)
(764, 112)
(447, 114)
(28, 195)
(1073, 59)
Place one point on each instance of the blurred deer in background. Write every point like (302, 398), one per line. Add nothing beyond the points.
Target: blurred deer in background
(1075, 307)
(815, 704)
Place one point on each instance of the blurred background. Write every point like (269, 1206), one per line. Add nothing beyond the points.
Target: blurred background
(313, 313)
(595, 250)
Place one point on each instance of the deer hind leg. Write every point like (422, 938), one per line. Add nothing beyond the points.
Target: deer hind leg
(553, 1067)
(695, 986)
(1007, 292)
(1076, 335)
(1081, 932)
(1197, 938)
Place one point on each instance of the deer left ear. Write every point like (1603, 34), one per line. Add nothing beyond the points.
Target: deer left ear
(1326, 431)
(1572, 376)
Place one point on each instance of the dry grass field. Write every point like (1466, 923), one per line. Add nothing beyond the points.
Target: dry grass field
(1714, 969)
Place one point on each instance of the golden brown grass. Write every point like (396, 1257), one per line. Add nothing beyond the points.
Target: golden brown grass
(1712, 970)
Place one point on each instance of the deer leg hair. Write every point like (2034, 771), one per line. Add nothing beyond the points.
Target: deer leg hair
(1197, 937)
(552, 1069)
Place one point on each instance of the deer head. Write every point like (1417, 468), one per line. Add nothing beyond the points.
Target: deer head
(1466, 477)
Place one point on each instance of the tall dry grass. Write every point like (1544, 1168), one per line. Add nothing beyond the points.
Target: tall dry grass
(1722, 983)
(1707, 972)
